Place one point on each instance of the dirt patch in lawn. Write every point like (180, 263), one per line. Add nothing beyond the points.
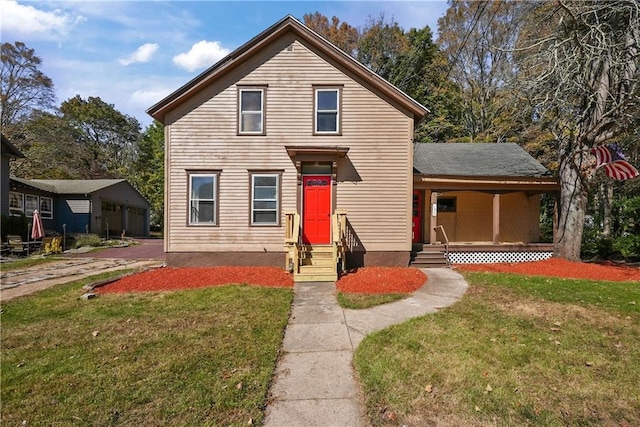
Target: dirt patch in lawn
(382, 280)
(557, 267)
(166, 279)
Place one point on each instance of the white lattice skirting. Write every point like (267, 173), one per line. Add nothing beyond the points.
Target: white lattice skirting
(495, 257)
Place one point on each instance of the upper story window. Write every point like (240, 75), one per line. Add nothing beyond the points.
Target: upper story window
(203, 198)
(251, 111)
(327, 111)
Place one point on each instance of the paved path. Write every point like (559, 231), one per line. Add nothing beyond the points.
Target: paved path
(15, 283)
(314, 383)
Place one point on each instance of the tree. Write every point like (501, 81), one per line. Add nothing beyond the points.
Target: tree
(24, 87)
(149, 177)
(579, 67)
(341, 34)
(477, 38)
(109, 138)
(51, 149)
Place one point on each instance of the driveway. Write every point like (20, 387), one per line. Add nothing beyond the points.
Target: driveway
(146, 249)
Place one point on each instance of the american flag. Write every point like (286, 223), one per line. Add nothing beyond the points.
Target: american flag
(615, 164)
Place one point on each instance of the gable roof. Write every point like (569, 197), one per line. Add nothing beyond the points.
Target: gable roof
(476, 160)
(244, 52)
(69, 186)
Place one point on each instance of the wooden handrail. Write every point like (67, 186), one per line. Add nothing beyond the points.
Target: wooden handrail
(339, 226)
(444, 234)
(292, 241)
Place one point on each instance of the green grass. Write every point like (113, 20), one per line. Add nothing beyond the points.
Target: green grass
(515, 350)
(360, 301)
(196, 357)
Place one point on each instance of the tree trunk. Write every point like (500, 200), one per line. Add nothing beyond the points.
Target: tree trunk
(572, 207)
(607, 199)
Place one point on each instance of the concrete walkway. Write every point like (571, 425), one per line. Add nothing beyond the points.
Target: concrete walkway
(314, 383)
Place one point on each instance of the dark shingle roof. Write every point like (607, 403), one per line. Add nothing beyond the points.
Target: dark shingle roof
(69, 186)
(476, 159)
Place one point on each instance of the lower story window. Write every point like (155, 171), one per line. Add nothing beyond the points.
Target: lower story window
(203, 198)
(46, 207)
(16, 203)
(265, 204)
(31, 203)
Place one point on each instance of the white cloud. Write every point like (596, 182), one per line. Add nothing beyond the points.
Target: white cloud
(27, 21)
(142, 54)
(202, 54)
(147, 98)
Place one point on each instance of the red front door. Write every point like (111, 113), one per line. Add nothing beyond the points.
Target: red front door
(316, 210)
(416, 216)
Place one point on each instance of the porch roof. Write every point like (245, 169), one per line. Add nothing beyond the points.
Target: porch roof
(467, 160)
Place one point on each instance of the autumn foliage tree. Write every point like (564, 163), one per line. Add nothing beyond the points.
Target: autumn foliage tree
(580, 69)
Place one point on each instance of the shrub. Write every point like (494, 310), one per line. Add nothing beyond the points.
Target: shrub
(88, 240)
(14, 225)
(627, 246)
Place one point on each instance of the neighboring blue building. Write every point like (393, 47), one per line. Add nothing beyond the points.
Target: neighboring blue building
(82, 206)
(9, 152)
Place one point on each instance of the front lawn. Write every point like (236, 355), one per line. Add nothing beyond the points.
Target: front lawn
(516, 350)
(194, 357)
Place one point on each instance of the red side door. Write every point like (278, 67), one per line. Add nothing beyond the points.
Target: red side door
(416, 220)
(316, 210)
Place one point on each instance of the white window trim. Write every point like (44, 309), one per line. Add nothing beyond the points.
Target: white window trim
(215, 199)
(260, 113)
(318, 111)
(29, 212)
(43, 213)
(16, 211)
(255, 175)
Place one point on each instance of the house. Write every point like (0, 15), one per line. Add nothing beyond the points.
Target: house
(290, 152)
(8, 152)
(482, 199)
(287, 130)
(99, 206)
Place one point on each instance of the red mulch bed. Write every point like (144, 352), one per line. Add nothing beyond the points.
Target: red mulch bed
(166, 279)
(557, 267)
(382, 280)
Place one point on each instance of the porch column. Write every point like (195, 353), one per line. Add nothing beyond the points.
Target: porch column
(433, 217)
(496, 219)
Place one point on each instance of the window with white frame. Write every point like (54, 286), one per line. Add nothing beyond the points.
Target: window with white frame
(31, 203)
(251, 111)
(327, 106)
(203, 191)
(265, 203)
(16, 203)
(46, 207)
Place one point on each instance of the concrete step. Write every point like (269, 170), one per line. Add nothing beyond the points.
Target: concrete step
(431, 259)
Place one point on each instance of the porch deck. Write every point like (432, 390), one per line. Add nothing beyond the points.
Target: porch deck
(488, 252)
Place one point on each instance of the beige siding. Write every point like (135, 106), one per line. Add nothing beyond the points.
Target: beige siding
(519, 218)
(374, 183)
(473, 219)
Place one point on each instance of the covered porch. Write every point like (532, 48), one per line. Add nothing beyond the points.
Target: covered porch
(479, 203)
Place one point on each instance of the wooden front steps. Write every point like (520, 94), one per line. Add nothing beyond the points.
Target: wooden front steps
(317, 264)
(429, 257)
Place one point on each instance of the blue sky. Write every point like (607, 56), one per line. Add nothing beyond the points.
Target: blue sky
(133, 53)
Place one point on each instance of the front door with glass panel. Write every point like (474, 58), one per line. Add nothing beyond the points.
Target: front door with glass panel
(316, 209)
